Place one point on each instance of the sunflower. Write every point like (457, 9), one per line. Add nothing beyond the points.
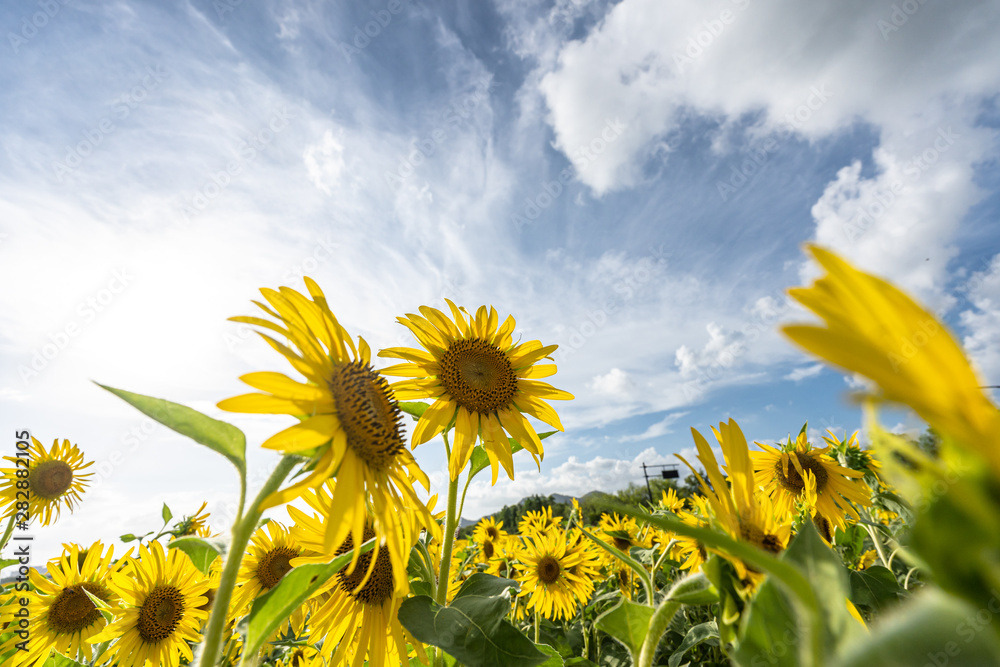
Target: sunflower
(301, 656)
(737, 507)
(490, 536)
(781, 474)
(540, 521)
(53, 481)
(163, 595)
(557, 574)
(357, 613)
(481, 382)
(196, 524)
(62, 616)
(623, 533)
(671, 502)
(874, 329)
(267, 560)
(351, 424)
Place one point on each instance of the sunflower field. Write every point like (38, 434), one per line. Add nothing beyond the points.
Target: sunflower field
(837, 552)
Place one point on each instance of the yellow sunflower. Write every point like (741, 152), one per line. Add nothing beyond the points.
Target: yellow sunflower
(490, 536)
(623, 533)
(357, 613)
(62, 617)
(737, 507)
(671, 502)
(781, 474)
(301, 656)
(481, 382)
(268, 559)
(351, 424)
(163, 595)
(52, 480)
(874, 329)
(538, 522)
(557, 575)
(196, 524)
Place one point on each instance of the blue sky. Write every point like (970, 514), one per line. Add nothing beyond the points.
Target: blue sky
(633, 181)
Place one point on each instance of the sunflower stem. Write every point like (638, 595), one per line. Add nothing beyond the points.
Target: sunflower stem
(8, 532)
(537, 633)
(242, 531)
(441, 596)
(657, 626)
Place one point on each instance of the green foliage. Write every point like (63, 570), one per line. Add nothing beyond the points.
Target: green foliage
(473, 628)
(202, 551)
(217, 435)
(627, 622)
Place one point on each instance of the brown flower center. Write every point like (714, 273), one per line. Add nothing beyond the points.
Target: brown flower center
(73, 611)
(273, 565)
(478, 375)
(793, 481)
(368, 413)
(492, 533)
(50, 479)
(380, 585)
(622, 544)
(548, 570)
(488, 549)
(160, 614)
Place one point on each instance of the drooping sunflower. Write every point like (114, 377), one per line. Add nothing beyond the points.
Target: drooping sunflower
(781, 474)
(481, 382)
(163, 599)
(357, 609)
(490, 536)
(737, 506)
(538, 522)
(268, 559)
(62, 616)
(872, 328)
(54, 480)
(557, 574)
(351, 424)
(196, 524)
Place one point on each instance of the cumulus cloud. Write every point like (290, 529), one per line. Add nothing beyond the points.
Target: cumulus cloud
(916, 77)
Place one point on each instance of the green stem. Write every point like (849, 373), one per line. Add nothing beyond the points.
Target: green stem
(461, 504)
(657, 626)
(449, 539)
(8, 532)
(428, 565)
(537, 633)
(242, 531)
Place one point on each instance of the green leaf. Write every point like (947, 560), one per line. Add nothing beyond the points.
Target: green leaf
(874, 588)
(217, 435)
(555, 660)
(59, 660)
(580, 662)
(473, 628)
(828, 577)
(769, 635)
(166, 514)
(7, 562)
(128, 537)
(102, 607)
(695, 589)
(414, 408)
(481, 461)
(932, 628)
(700, 633)
(627, 622)
(273, 608)
(202, 551)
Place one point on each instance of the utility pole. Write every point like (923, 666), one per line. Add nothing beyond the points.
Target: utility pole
(648, 487)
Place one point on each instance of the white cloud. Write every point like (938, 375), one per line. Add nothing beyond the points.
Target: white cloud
(650, 63)
(615, 384)
(982, 321)
(803, 372)
(657, 429)
(325, 162)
